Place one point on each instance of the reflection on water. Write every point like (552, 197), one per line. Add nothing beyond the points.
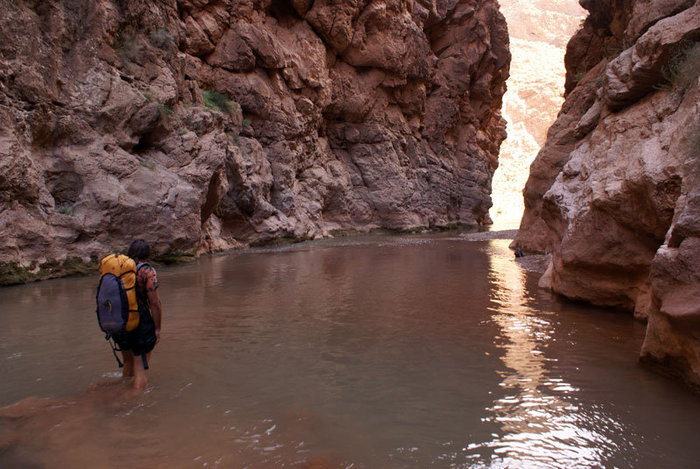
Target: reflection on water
(540, 422)
(408, 352)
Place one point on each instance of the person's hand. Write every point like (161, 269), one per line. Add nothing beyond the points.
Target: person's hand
(157, 335)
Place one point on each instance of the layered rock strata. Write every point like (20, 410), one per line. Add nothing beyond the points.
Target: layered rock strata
(205, 125)
(613, 193)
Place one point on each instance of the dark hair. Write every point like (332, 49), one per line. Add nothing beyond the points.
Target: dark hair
(139, 250)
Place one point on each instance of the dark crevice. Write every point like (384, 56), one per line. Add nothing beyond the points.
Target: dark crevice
(284, 12)
(212, 198)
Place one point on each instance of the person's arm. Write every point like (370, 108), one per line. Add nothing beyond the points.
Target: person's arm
(156, 310)
(153, 299)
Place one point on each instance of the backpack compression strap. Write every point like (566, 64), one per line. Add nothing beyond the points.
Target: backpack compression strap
(114, 350)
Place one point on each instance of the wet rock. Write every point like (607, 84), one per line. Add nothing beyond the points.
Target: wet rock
(671, 342)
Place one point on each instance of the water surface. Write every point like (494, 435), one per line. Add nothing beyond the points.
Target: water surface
(378, 352)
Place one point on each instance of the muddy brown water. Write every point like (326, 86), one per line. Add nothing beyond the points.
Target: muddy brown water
(376, 352)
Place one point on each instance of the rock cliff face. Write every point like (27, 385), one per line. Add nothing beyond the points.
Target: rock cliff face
(613, 195)
(204, 125)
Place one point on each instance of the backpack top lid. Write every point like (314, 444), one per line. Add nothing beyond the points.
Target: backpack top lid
(124, 268)
(117, 265)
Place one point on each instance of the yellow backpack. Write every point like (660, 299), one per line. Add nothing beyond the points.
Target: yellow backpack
(117, 308)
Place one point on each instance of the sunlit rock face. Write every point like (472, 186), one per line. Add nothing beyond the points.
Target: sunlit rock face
(343, 115)
(539, 31)
(613, 194)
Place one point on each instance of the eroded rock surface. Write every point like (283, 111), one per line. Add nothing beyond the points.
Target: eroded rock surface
(342, 115)
(612, 194)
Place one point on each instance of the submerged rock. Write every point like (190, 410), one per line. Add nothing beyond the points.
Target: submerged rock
(205, 126)
(612, 193)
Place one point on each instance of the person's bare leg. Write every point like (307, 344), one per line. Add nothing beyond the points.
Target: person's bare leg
(128, 359)
(140, 377)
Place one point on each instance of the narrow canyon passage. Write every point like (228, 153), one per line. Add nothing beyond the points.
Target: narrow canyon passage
(225, 126)
(539, 32)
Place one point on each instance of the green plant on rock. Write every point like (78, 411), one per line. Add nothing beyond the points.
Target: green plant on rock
(579, 76)
(76, 266)
(683, 68)
(219, 101)
(165, 112)
(65, 210)
(175, 256)
(613, 49)
(12, 273)
(161, 38)
(128, 47)
(147, 164)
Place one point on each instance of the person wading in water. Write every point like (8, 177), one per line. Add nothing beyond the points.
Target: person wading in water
(136, 345)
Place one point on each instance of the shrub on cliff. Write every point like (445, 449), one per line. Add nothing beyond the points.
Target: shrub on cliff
(684, 68)
(219, 101)
(128, 47)
(162, 39)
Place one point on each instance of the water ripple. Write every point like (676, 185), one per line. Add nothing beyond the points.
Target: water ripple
(540, 423)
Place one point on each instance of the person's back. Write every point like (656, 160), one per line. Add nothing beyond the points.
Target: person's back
(137, 345)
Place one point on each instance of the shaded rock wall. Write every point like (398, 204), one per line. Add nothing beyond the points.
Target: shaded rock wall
(612, 194)
(342, 115)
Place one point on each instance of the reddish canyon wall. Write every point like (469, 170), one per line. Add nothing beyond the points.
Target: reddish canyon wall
(613, 195)
(343, 115)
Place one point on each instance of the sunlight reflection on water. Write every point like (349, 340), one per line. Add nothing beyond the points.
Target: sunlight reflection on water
(540, 423)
